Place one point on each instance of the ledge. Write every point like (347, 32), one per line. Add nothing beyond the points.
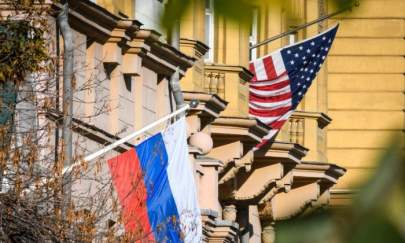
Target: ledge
(322, 119)
(324, 173)
(207, 161)
(244, 74)
(247, 130)
(92, 19)
(271, 173)
(90, 131)
(281, 152)
(156, 54)
(198, 46)
(209, 106)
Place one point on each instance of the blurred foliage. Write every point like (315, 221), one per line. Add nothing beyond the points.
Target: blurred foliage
(22, 50)
(237, 10)
(376, 215)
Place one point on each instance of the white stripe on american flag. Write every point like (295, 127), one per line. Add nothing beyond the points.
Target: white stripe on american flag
(270, 112)
(260, 70)
(269, 120)
(270, 82)
(272, 105)
(278, 63)
(284, 90)
(270, 134)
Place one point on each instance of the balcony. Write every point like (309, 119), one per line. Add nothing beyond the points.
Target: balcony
(231, 84)
(307, 129)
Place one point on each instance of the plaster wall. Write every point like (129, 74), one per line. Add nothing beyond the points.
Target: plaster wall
(366, 86)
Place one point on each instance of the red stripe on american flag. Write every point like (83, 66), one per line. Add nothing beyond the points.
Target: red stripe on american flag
(269, 113)
(272, 86)
(263, 142)
(270, 69)
(253, 70)
(277, 124)
(256, 98)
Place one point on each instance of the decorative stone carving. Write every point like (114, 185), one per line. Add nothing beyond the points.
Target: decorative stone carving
(202, 141)
(193, 125)
(229, 212)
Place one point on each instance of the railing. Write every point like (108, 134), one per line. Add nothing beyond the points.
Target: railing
(303, 128)
(215, 83)
(296, 130)
(231, 84)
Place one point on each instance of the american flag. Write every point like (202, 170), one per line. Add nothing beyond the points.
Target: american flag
(282, 78)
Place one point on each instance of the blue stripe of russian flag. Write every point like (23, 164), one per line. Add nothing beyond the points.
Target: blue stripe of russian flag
(162, 211)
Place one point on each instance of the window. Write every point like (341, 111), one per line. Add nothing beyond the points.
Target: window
(209, 29)
(253, 35)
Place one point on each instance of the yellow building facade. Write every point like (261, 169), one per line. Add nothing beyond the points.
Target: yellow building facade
(353, 106)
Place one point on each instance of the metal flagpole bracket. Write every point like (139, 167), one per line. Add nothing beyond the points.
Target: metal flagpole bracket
(133, 135)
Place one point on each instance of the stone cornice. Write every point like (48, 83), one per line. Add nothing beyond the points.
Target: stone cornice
(323, 173)
(247, 130)
(207, 161)
(244, 74)
(157, 55)
(91, 132)
(279, 161)
(198, 46)
(322, 118)
(281, 152)
(217, 230)
(100, 25)
(95, 21)
(210, 105)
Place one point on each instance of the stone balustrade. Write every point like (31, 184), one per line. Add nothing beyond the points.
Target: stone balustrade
(231, 84)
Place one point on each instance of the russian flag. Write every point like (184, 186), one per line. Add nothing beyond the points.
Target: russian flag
(156, 189)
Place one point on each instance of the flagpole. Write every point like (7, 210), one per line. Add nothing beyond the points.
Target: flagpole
(303, 26)
(126, 139)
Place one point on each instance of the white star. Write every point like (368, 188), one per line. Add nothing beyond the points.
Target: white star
(306, 69)
(299, 93)
(299, 84)
(303, 58)
(292, 62)
(301, 69)
(302, 77)
(304, 86)
(311, 71)
(305, 62)
(308, 51)
(296, 55)
(313, 55)
(323, 57)
(289, 52)
(329, 41)
(326, 49)
(308, 79)
(312, 43)
(301, 47)
(324, 38)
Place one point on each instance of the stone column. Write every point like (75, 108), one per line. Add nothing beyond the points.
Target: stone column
(268, 233)
(229, 213)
